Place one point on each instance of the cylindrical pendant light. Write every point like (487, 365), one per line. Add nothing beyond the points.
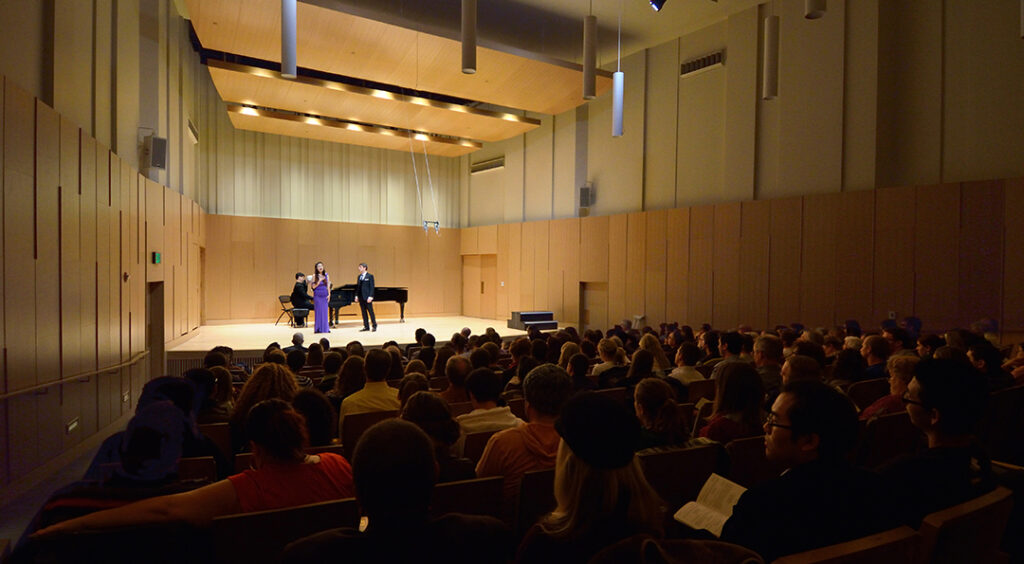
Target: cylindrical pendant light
(814, 9)
(469, 36)
(589, 57)
(770, 77)
(618, 78)
(289, 24)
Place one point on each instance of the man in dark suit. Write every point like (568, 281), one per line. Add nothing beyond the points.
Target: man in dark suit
(821, 499)
(364, 295)
(301, 299)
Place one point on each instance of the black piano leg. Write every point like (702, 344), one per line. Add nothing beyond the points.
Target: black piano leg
(401, 307)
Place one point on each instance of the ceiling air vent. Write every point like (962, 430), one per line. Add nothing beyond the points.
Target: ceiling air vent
(489, 164)
(709, 61)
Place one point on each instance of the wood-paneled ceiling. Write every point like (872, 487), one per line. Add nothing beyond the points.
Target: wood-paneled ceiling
(396, 58)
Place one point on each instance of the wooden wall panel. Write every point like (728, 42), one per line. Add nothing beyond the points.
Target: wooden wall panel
(636, 267)
(542, 280)
(21, 432)
(19, 248)
(570, 246)
(725, 292)
(656, 267)
(1013, 271)
(446, 249)
(3, 272)
(528, 259)
(784, 261)
(114, 264)
(677, 268)
(47, 251)
(488, 280)
(137, 314)
(87, 248)
(471, 285)
(594, 237)
(617, 268)
(515, 266)
(554, 269)
(70, 253)
(894, 254)
(469, 240)
(981, 251)
(818, 262)
(218, 268)
(755, 247)
(104, 346)
(502, 271)
(700, 291)
(154, 230)
(855, 256)
(487, 243)
(936, 242)
(124, 217)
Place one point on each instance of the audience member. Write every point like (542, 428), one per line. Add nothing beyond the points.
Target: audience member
(315, 356)
(651, 344)
(901, 371)
(569, 349)
(269, 381)
(297, 340)
(394, 471)
(277, 356)
(217, 407)
(376, 395)
(641, 367)
(577, 368)
(355, 348)
(440, 366)
(927, 344)
(296, 361)
(396, 372)
(411, 384)
(848, 368)
(427, 351)
(821, 499)
(479, 358)
(456, 369)
(611, 354)
(687, 356)
(484, 389)
(321, 419)
(432, 414)
(799, 368)
(332, 368)
(731, 347)
(416, 366)
(661, 419)
(708, 342)
(988, 361)
(600, 489)
(768, 359)
(900, 342)
(738, 401)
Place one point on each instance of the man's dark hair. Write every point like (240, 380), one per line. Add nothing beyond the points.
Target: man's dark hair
(932, 341)
(539, 349)
(420, 332)
(802, 367)
(519, 347)
(363, 264)
(457, 369)
(224, 350)
(771, 347)
(711, 342)
(299, 275)
(820, 409)
(332, 362)
(579, 364)
(691, 353)
(428, 340)
(321, 421)
(954, 390)
(393, 468)
(480, 358)
(813, 350)
(547, 388)
(852, 327)
(732, 342)
(484, 385)
(355, 348)
(203, 380)
(377, 365)
(900, 334)
(215, 358)
(296, 360)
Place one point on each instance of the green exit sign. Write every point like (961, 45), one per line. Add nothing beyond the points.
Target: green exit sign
(156, 257)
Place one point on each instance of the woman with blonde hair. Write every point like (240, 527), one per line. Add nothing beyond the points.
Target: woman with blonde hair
(600, 489)
(568, 350)
(651, 344)
(269, 381)
(612, 355)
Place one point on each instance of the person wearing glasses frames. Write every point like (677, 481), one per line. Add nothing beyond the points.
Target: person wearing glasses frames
(945, 400)
(820, 499)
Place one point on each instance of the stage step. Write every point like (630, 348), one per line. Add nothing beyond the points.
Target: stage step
(543, 320)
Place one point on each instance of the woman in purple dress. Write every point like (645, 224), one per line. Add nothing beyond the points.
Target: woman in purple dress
(321, 293)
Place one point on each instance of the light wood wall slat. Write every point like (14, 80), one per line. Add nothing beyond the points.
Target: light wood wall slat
(515, 267)
(70, 253)
(594, 239)
(677, 252)
(636, 255)
(894, 253)
(528, 282)
(818, 263)
(503, 271)
(855, 256)
(936, 241)
(487, 243)
(3, 276)
(981, 250)
(47, 251)
(542, 280)
(469, 240)
(701, 277)
(755, 248)
(87, 248)
(655, 290)
(471, 285)
(104, 346)
(568, 245)
(1013, 272)
(726, 265)
(617, 257)
(784, 261)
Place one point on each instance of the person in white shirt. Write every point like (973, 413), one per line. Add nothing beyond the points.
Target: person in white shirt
(484, 389)
(687, 358)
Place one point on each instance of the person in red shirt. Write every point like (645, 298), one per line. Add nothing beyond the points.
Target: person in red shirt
(283, 476)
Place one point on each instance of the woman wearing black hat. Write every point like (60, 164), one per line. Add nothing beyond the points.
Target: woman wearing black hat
(600, 489)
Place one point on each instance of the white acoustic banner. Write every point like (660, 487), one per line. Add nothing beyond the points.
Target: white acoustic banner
(289, 66)
(770, 77)
(469, 36)
(589, 57)
(618, 78)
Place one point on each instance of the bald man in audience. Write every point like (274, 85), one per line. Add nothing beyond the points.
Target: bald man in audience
(800, 368)
(875, 349)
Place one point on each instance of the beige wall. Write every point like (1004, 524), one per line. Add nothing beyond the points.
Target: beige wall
(79, 224)
(250, 261)
(873, 94)
(936, 252)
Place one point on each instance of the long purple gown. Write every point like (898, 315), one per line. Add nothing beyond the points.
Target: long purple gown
(320, 295)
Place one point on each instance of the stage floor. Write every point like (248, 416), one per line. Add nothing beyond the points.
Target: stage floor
(256, 336)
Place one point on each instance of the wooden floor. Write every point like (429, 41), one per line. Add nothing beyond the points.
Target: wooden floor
(256, 336)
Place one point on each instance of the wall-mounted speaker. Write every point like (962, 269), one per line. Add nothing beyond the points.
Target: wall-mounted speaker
(154, 152)
(587, 195)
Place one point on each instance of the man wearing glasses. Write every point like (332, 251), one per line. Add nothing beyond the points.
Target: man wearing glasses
(820, 499)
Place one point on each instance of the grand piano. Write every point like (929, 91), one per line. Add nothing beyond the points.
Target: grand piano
(346, 295)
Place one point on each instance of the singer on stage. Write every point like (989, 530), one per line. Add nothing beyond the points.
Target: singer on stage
(364, 295)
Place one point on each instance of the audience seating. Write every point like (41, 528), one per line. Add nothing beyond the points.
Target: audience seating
(866, 392)
(621, 395)
(197, 468)
(356, 424)
(706, 370)
(701, 389)
(887, 437)
(439, 383)
(1002, 425)
(748, 466)
(475, 443)
(220, 434)
(479, 496)
(286, 309)
(688, 410)
(678, 473)
(700, 417)
(968, 532)
(898, 545)
(460, 408)
(518, 407)
(536, 499)
(260, 536)
(5, 550)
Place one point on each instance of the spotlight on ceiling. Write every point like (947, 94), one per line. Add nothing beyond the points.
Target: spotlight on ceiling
(657, 4)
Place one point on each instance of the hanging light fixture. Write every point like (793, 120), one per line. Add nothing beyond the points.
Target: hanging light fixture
(590, 57)
(469, 36)
(618, 80)
(657, 5)
(814, 9)
(770, 66)
(289, 24)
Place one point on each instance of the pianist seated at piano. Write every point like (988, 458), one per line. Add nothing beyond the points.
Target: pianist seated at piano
(300, 297)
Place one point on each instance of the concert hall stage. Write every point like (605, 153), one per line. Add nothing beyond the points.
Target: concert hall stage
(248, 339)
